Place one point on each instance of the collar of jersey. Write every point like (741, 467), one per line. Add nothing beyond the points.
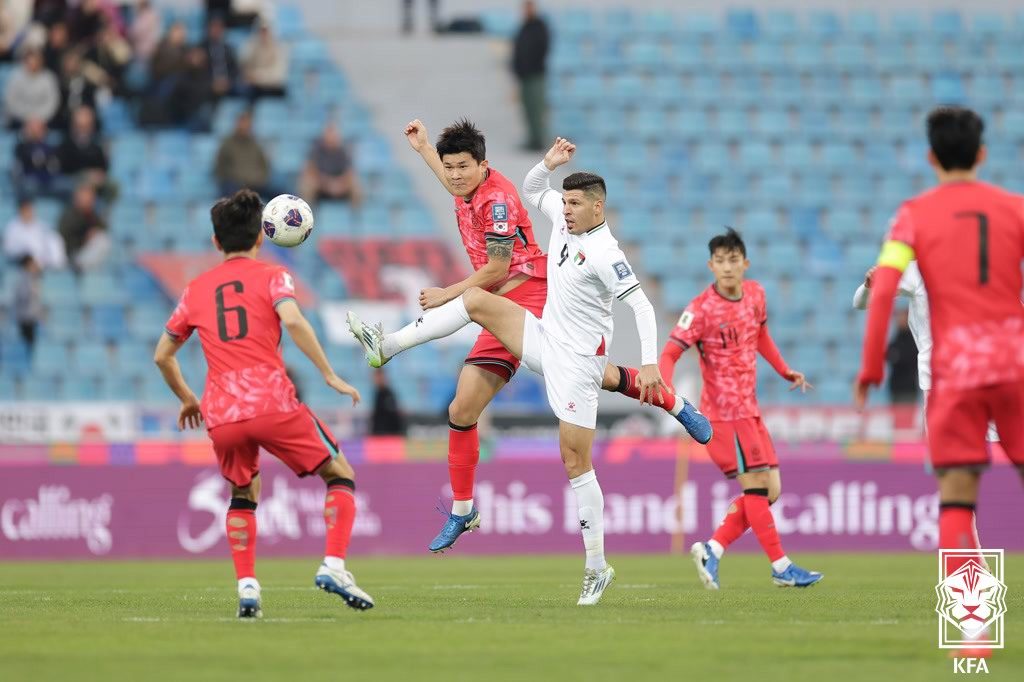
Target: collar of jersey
(714, 287)
(595, 229)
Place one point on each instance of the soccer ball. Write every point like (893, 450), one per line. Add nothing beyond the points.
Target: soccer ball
(287, 220)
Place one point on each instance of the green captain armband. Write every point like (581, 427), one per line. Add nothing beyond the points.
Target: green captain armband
(895, 255)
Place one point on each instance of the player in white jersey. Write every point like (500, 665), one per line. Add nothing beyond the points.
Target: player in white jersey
(911, 286)
(569, 345)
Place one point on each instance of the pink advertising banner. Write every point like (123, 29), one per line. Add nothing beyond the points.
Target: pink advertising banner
(53, 512)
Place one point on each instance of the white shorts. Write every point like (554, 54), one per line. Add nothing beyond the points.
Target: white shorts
(572, 381)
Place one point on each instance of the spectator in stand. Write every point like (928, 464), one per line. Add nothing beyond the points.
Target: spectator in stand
(529, 63)
(192, 99)
(84, 231)
(76, 90)
(329, 173)
(28, 299)
(15, 16)
(220, 56)
(27, 235)
(265, 63)
(387, 418)
(146, 29)
(108, 60)
(31, 91)
(57, 45)
(36, 169)
(83, 155)
(169, 63)
(241, 161)
(85, 22)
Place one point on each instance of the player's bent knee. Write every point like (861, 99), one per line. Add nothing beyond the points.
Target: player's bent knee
(464, 412)
(471, 298)
(337, 468)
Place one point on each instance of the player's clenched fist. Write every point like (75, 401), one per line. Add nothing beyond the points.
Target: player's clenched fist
(416, 133)
(561, 151)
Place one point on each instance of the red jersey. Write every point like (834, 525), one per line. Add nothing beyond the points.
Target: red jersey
(968, 238)
(233, 307)
(495, 213)
(728, 334)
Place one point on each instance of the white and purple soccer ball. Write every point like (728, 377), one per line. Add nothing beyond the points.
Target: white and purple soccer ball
(287, 220)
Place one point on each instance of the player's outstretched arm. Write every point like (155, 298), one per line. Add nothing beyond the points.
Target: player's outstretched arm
(494, 271)
(190, 415)
(770, 352)
(304, 336)
(537, 189)
(419, 140)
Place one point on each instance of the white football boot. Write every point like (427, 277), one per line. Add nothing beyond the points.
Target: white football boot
(595, 582)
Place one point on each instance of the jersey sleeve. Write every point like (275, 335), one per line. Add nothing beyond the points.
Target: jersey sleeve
(689, 328)
(615, 272)
(179, 327)
(282, 287)
(498, 216)
(898, 249)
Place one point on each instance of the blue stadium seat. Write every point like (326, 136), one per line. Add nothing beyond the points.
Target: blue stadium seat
(779, 24)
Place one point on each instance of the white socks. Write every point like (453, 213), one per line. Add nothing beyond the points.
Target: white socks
(716, 548)
(435, 324)
(780, 565)
(334, 563)
(462, 507)
(590, 503)
(678, 407)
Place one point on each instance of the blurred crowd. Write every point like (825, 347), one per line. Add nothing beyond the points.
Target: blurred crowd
(69, 59)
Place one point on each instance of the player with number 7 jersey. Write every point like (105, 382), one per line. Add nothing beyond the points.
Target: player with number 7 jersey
(249, 403)
(968, 239)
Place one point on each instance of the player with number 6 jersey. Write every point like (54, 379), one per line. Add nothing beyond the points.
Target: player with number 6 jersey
(968, 239)
(249, 403)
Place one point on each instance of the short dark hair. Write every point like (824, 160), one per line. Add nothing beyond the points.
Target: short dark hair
(462, 136)
(589, 183)
(730, 241)
(237, 220)
(954, 134)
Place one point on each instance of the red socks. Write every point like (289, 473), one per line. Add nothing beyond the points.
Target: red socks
(463, 455)
(733, 525)
(628, 386)
(957, 531)
(241, 529)
(340, 514)
(759, 515)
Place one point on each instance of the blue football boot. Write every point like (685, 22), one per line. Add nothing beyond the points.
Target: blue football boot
(454, 527)
(695, 423)
(794, 576)
(707, 564)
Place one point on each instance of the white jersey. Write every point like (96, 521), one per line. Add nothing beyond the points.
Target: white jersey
(585, 272)
(911, 286)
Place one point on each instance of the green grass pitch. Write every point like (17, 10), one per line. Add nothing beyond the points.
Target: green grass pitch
(486, 619)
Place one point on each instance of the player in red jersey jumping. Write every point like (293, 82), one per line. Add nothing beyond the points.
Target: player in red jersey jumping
(968, 239)
(498, 236)
(249, 403)
(728, 323)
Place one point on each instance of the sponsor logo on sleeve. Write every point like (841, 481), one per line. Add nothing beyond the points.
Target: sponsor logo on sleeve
(685, 320)
(501, 228)
(499, 212)
(622, 269)
(289, 283)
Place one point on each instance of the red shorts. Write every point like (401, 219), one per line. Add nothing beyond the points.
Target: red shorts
(296, 438)
(958, 421)
(488, 352)
(740, 446)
